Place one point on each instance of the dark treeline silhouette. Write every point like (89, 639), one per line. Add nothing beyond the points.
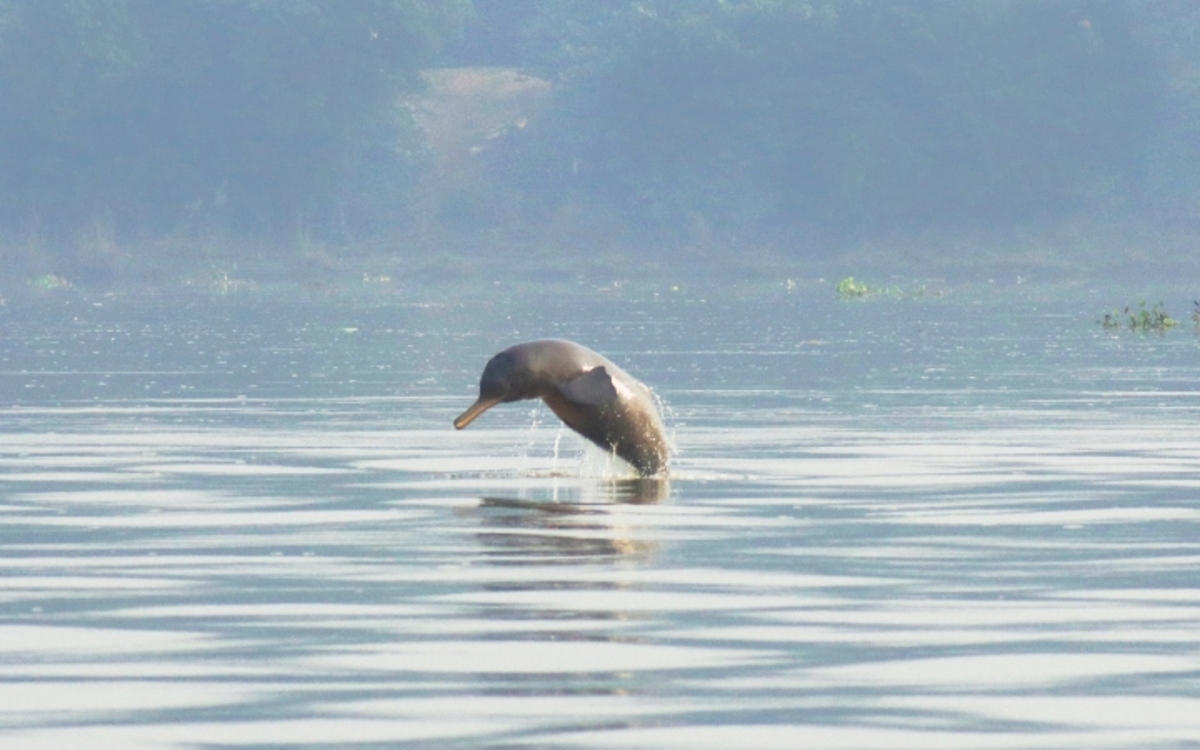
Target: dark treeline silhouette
(861, 115)
(767, 123)
(843, 118)
(135, 119)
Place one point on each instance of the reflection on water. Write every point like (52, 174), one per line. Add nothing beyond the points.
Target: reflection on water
(938, 541)
(543, 532)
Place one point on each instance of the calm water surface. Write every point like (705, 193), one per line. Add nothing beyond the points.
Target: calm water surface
(968, 521)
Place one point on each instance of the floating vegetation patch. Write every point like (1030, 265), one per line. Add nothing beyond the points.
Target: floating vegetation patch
(49, 281)
(852, 288)
(1142, 319)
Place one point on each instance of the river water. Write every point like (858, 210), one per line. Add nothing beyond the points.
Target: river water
(245, 521)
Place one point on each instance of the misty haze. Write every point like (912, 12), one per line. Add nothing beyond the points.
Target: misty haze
(912, 286)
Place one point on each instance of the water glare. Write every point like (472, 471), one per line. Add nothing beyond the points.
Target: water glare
(981, 534)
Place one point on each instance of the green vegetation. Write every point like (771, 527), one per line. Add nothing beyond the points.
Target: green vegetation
(49, 282)
(1141, 320)
(124, 120)
(144, 136)
(842, 119)
(848, 288)
(851, 288)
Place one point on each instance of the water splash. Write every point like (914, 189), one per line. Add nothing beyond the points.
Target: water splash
(670, 422)
(557, 443)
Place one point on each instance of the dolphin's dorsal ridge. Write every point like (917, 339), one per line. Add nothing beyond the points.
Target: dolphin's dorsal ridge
(593, 388)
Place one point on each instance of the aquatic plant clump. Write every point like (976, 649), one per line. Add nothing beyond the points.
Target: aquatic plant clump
(851, 288)
(848, 288)
(49, 282)
(1141, 320)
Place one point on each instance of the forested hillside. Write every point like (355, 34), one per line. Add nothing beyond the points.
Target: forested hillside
(140, 133)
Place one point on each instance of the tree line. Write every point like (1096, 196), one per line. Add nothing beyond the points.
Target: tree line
(273, 119)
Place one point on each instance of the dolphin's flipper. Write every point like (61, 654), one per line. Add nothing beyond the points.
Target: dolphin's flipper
(593, 388)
